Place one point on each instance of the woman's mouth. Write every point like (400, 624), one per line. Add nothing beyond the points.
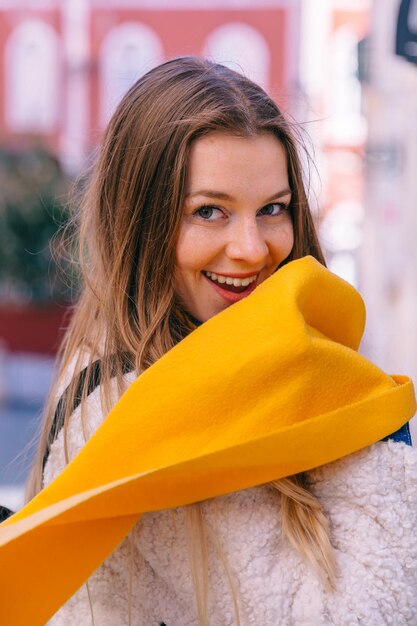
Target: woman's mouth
(231, 288)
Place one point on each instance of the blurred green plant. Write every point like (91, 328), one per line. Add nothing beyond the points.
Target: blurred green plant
(33, 208)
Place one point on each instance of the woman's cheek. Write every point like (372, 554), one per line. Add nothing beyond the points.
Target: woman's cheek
(195, 249)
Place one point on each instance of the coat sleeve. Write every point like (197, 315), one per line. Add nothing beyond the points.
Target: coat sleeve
(370, 499)
(104, 599)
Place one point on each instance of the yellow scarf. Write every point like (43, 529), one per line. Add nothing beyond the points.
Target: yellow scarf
(272, 386)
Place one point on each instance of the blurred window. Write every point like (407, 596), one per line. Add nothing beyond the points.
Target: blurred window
(406, 35)
(347, 122)
(32, 58)
(242, 48)
(127, 52)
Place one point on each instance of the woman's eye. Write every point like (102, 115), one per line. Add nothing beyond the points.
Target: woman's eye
(272, 209)
(208, 212)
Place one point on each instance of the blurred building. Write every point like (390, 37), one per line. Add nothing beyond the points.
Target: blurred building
(331, 32)
(68, 62)
(389, 253)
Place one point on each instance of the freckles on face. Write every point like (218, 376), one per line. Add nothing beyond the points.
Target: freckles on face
(236, 227)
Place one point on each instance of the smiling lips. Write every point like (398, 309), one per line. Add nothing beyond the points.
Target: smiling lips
(230, 288)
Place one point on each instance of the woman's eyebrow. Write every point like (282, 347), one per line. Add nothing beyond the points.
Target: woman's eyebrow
(221, 195)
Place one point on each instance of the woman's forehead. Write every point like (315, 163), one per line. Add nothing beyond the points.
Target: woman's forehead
(230, 164)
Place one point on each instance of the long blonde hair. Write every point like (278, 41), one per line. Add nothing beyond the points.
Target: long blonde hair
(127, 227)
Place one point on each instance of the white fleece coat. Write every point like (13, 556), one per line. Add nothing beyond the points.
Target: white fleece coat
(370, 499)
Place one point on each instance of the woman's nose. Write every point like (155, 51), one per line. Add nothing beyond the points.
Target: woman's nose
(247, 242)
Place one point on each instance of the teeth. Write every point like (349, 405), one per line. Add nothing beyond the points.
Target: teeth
(236, 282)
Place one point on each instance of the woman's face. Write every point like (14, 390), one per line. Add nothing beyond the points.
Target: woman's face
(236, 227)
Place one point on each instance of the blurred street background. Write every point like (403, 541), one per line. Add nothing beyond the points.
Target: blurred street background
(346, 70)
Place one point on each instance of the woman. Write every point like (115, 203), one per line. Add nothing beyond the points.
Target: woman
(196, 200)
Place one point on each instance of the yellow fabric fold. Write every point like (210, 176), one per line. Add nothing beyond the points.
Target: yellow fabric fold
(272, 386)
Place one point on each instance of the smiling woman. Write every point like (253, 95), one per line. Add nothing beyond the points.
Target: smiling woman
(215, 449)
(237, 227)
